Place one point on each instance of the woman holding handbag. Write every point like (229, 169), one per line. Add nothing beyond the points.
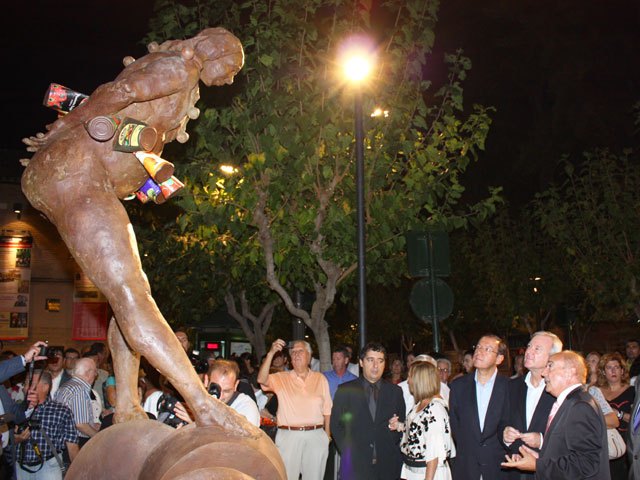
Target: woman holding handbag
(613, 380)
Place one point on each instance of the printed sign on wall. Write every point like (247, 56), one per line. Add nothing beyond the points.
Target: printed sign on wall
(15, 280)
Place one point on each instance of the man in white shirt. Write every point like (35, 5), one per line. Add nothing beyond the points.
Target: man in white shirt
(574, 444)
(529, 403)
(55, 366)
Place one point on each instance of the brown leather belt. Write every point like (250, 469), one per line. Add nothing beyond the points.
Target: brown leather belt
(301, 429)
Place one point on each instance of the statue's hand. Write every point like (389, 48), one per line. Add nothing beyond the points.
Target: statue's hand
(34, 143)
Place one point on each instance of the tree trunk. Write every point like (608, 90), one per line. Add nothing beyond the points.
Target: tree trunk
(255, 328)
(320, 331)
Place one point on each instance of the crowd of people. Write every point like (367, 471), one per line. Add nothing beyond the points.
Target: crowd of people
(556, 415)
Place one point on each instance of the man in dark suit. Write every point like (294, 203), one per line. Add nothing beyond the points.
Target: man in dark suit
(529, 402)
(477, 403)
(575, 442)
(360, 421)
(634, 437)
(15, 414)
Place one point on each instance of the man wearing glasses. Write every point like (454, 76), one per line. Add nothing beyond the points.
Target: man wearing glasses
(304, 410)
(477, 403)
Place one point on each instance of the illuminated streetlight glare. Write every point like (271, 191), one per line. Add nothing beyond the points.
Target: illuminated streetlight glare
(378, 112)
(357, 58)
(228, 169)
(357, 67)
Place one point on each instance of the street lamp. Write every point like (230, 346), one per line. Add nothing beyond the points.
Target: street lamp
(357, 61)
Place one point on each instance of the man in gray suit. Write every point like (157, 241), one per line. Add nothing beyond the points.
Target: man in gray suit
(634, 437)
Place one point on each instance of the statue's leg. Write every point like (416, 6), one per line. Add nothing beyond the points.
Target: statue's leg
(126, 365)
(96, 228)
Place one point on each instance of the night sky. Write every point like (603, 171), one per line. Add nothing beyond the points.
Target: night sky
(562, 74)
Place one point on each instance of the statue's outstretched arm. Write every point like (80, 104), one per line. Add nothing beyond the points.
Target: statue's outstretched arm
(158, 77)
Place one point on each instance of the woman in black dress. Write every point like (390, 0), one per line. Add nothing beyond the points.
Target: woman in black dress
(613, 380)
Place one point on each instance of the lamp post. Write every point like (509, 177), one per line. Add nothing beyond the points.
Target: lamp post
(357, 65)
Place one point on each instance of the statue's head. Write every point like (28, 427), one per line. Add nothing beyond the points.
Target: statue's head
(221, 55)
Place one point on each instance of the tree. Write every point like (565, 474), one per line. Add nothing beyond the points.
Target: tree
(592, 219)
(506, 275)
(288, 130)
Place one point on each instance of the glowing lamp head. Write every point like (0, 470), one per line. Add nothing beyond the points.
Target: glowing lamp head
(357, 67)
(356, 58)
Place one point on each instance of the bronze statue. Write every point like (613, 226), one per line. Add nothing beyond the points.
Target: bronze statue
(79, 182)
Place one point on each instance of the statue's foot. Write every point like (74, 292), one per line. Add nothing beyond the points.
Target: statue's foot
(135, 412)
(212, 412)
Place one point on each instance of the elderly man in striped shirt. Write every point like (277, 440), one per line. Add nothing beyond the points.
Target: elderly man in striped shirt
(77, 395)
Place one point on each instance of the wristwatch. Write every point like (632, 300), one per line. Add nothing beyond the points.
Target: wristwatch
(620, 414)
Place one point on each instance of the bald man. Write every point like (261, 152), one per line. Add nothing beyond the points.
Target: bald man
(575, 442)
(76, 394)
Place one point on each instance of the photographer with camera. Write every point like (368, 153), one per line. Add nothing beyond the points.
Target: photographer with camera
(48, 431)
(10, 411)
(222, 382)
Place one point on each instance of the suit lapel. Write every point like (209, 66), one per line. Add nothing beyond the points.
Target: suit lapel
(562, 411)
(473, 404)
(520, 401)
(495, 405)
(635, 436)
(541, 413)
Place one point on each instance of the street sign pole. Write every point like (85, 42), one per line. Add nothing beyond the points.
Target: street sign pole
(434, 296)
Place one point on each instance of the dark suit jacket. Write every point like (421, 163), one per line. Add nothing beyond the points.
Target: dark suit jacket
(11, 407)
(633, 452)
(478, 452)
(354, 431)
(11, 367)
(575, 446)
(517, 418)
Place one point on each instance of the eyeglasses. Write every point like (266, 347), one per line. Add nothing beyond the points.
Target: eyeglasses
(443, 369)
(297, 352)
(484, 348)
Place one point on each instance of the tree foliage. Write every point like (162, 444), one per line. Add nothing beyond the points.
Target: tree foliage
(289, 212)
(592, 218)
(506, 275)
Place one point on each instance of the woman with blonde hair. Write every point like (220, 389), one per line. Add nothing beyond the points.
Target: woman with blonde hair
(613, 380)
(426, 443)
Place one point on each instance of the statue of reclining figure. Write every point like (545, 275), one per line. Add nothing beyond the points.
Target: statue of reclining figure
(78, 183)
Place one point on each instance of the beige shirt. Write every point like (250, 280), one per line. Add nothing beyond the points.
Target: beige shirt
(300, 402)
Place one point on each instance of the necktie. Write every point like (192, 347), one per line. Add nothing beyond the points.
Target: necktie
(636, 418)
(552, 414)
(373, 399)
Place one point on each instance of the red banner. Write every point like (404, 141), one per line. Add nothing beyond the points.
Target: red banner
(90, 311)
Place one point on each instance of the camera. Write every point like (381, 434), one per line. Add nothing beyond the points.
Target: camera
(214, 390)
(166, 405)
(47, 351)
(200, 365)
(32, 423)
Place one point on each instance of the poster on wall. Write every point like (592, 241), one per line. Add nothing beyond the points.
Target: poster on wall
(90, 310)
(15, 280)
